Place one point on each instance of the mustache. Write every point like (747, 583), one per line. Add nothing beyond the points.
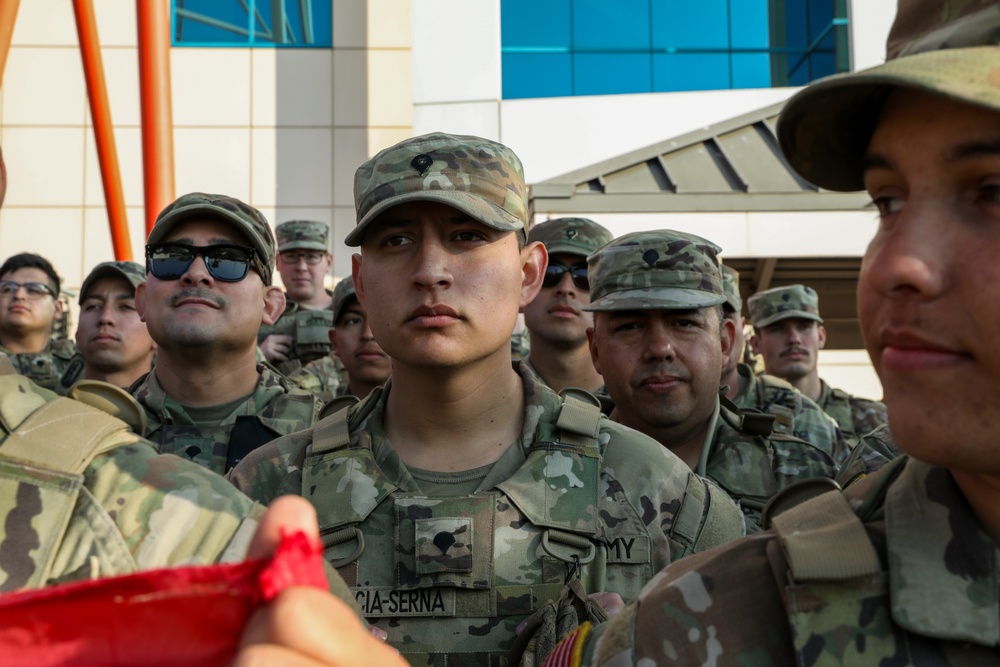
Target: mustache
(793, 350)
(197, 293)
(660, 370)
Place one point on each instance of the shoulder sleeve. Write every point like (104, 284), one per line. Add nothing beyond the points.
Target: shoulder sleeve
(274, 469)
(722, 608)
(692, 513)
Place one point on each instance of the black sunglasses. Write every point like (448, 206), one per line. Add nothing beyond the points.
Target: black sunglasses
(228, 263)
(554, 274)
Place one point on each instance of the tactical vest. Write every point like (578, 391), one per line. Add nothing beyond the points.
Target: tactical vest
(310, 332)
(450, 578)
(46, 446)
(838, 406)
(832, 577)
(44, 368)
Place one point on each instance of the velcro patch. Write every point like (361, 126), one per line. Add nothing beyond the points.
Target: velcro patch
(387, 602)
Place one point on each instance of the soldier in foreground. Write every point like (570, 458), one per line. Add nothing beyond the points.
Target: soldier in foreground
(300, 334)
(903, 570)
(356, 364)
(788, 334)
(793, 412)
(556, 318)
(660, 341)
(209, 260)
(113, 343)
(29, 305)
(464, 495)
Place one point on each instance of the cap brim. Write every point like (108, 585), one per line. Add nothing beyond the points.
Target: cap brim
(656, 298)
(473, 205)
(787, 315)
(103, 272)
(307, 245)
(824, 129)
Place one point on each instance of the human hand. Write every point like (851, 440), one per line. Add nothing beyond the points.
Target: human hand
(277, 347)
(304, 627)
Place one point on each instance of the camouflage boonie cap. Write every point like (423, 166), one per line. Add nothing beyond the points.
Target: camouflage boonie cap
(731, 287)
(782, 303)
(244, 217)
(133, 272)
(572, 236)
(479, 177)
(343, 294)
(658, 270)
(943, 47)
(308, 234)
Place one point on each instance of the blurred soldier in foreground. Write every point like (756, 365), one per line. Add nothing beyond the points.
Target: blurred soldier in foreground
(209, 260)
(114, 345)
(465, 495)
(29, 304)
(788, 334)
(301, 333)
(793, 412)
(357, 364)
(556, 318)
(660, 341)
(903, 571)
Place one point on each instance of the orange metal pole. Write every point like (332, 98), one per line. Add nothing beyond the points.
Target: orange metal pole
(8, 13)
(100, 111)
(153, 17)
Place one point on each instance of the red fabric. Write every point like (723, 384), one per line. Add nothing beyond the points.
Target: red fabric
(178, 616)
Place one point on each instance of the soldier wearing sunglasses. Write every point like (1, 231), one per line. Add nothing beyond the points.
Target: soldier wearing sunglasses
(301, 333)
(556, 319)
(208, 290)
(29, 305)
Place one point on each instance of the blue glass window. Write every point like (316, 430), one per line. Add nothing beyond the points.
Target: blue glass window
(596, 47)
(252, 23)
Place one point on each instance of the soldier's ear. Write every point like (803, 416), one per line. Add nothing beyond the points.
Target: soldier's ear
(534, 259)
(754, 342)
(592, 342)
(140, 301)
(821, 335)
(274, 304)
(727, 334)
(359, 283)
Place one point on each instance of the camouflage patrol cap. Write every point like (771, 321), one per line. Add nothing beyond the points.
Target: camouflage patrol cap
(133, 272)
(731, 287)
(308, 234)
(477, 176)
(572, 236)
(782, 303)
(343, 294)
(244, 217)
(943, 47)
(658, 270)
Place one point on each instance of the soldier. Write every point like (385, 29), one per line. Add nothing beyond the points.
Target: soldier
(355, 353)
(464, 494)
(114, 345)
(207, 398)
(793, 412)
(556, 318)
(903, 570)
(660, 341)
(29, 304)
(788, 334)
(301, 333)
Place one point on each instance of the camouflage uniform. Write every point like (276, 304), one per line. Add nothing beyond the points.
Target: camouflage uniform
(272, 410)
(307, 327)
(323, 378)
(449, 575)
(45, 367)
(855, 416)
(668, 270)
(132, 272)
(625, 497)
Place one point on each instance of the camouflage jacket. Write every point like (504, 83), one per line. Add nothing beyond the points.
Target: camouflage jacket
(46, 367)
(873, 450)
(794, 413)
(751, 463)
(931, 599)
(323, 378)
(855, 416)
(310, 332)
(601, 393)
(272, 410)
(450, 578)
